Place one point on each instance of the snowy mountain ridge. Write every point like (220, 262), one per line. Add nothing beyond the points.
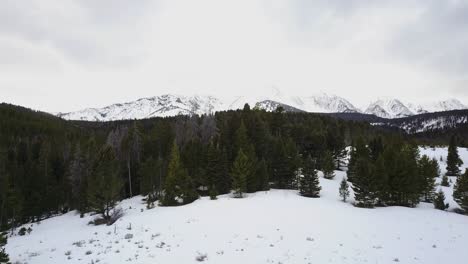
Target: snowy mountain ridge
(172, 105)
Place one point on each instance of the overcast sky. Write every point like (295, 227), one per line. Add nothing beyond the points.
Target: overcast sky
(64, 55)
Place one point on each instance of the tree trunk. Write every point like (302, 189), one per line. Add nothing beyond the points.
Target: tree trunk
(129, 178)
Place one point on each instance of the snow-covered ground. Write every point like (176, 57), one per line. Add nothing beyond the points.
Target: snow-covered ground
(277, 226)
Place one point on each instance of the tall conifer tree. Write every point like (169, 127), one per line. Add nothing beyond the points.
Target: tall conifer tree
(105, 184)
(240, 170)
(460, 191)
(309, 182)
(3, 255)
(453, 159)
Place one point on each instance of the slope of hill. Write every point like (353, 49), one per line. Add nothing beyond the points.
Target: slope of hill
(253, 230)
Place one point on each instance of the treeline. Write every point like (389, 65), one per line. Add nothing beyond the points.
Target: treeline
(49, 166)
(391, 173)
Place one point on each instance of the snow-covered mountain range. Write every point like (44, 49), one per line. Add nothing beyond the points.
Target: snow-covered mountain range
(171, 105)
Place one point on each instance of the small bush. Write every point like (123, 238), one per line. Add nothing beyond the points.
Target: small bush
(116, 215)
(22, 231)
(201, 257)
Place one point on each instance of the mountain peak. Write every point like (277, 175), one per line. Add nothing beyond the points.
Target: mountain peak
(319, 102)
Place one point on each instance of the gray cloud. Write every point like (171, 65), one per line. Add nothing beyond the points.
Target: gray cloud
(360, 49)
(437, 38)
(85, 31)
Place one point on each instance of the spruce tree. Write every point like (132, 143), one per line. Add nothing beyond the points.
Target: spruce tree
(358, 150)
(150, 184)
(344, 189)
(309, 182)
(453, 159)
(213, 192)
(439, 201)
(381, 181)
(213, 168)
(364, 184)
(240, 170)
(105, 183)
(243, 142)
(178, 187)
(460, 191)
(3, 255)
(328, 166)
(263, 178)
(445, 181)
(429, 171)
(224, 184)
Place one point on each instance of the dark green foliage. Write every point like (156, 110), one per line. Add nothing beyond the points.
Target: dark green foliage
(263, 176)
(3, 255)
(344, 189)
(286, 162)
(151, 180)
(429, 171)
(328, 166)
(439, 201)
(132, 147)
(178, 187)
(48, 165)
(460, 191)
(240, 171)
(213, 192)
(453, 159)
(309, 182)
(364, 184)
(105, 184)
(445, 181)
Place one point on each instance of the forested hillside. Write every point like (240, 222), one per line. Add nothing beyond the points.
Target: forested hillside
(49, 166)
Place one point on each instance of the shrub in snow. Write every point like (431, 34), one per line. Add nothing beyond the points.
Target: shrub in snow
(201, 257)
(22, 231)
(68, 253)
(116, 215)
(79, 243)
(445, 181)
(98, 221)
(439, 201)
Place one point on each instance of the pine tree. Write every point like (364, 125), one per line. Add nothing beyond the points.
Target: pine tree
(243, 142)
(453, 159)
(429, 171)
(439, 201)
(3, 255)
(328, 166)
(460, 191)
(178, 187)
(213, 169)
(150, 184)
(381, 181)
(132, 148)
(105, 184)
(263, 178)
(240, 170)
(364, 184)
(213, 192)
(359, 150)
(309, 182)
(344, 189)
(445, 181)
(224, 184)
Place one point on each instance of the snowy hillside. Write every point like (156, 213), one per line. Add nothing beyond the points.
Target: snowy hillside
(255, 230)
